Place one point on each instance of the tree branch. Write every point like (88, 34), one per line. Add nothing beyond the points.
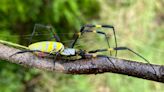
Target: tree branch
(85, 66)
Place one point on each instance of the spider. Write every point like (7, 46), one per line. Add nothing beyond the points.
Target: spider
(57, 48)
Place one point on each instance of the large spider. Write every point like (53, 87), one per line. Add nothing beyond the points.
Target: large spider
(57, 48)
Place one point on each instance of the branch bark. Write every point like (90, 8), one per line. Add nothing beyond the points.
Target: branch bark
(85, 66)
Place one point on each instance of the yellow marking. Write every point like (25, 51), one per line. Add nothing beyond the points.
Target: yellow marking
(58, 46)
(43, 47)
(110, 49)
(79, 33)
(94, 55)
(86, 52)
(50, 46)
(38, 46)
(98, 26)
(94, 31)
(62, 49)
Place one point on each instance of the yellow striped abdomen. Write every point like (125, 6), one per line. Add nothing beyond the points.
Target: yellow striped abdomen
(47, 46)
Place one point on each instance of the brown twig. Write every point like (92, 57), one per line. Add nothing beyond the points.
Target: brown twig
(85, 66)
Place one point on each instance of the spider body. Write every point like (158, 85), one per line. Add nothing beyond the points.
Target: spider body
(51, 47)
(47, 46)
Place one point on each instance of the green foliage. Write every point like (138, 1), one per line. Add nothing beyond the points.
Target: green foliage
(13, 11)
(65, 16)
(10, 80)
(5, 35)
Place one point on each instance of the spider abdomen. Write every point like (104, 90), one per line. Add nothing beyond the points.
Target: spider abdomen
(47, 46)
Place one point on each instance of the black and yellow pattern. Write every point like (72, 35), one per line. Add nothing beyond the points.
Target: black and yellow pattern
(47, 46)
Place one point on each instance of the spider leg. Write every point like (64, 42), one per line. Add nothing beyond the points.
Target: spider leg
(99, 32)
(82, 30)
(24, 51)
(124, 48)
(85, 55)
(55, 57)
(108, 59)
(50, 29)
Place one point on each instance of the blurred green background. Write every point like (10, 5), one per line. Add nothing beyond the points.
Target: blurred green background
(139, 25)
